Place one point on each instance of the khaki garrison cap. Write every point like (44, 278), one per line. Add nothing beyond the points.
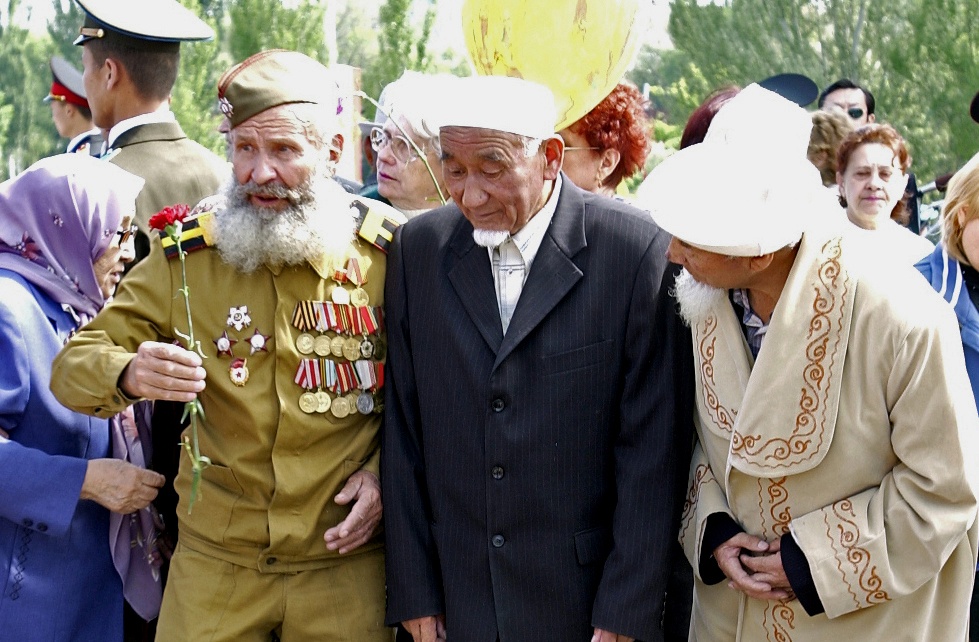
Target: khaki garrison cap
(272, 78)
(159, 24)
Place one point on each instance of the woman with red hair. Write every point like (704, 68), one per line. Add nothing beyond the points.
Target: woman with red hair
(609, 143)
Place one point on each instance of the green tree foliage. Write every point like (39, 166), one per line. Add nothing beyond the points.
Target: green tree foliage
(400, 47)
(26, 129)
(920, 58)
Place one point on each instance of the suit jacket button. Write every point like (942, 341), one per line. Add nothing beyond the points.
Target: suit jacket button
(498, 405)
(42, 527)
(497, 472)
(270, 561)
(498, 541)
(27, 522)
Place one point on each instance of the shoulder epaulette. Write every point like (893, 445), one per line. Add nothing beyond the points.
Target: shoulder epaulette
(194, 235)
(377, 223)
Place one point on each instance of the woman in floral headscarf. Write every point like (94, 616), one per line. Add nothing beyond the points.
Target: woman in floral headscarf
(65, 235)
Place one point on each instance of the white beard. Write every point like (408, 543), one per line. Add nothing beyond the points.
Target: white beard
(490, 238)
(697, 300)
(318, 221)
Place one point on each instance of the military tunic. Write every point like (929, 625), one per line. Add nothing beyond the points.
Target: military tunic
(267, 499)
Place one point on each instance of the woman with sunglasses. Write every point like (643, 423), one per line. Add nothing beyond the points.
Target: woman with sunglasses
(409, 171)
(871, 174)
(65, 235)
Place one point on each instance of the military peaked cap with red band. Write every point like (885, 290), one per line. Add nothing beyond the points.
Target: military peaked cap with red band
(67, 85)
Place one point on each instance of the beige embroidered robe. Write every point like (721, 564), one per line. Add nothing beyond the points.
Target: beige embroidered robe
(856, 431)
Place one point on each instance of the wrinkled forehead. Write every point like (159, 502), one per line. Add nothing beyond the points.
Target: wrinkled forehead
(458, 141)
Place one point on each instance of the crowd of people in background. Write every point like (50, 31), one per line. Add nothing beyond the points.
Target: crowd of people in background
(739, 403)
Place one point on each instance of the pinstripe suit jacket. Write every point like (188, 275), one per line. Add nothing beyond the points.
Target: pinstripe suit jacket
(529, 479)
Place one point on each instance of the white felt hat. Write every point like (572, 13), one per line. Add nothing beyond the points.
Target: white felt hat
(748, 189)
(502, 103)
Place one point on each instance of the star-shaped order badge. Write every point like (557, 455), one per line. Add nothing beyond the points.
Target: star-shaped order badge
(224, 343)
(258, 341)
(238, 318)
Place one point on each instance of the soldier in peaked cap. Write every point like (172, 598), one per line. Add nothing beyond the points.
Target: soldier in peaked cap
(130, 59)
(287, 275)
(70, 111)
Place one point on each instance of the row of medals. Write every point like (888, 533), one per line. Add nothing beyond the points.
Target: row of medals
(349, 348)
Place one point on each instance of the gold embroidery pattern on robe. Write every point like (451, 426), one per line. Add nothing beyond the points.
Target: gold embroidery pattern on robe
(701, 474)
(844, 535)
(773, 500)
(721, 416)
(779, 621)
(773, 507)
(830, 294)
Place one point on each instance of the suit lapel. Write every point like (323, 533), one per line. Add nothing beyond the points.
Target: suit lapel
(470, 275)
(553, 273)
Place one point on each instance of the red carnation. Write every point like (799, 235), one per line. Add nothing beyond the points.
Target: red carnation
(169, 216)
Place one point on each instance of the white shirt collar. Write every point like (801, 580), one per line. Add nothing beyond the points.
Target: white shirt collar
(77, 140)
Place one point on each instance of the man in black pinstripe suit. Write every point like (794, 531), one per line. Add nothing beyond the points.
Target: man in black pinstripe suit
(538, 414)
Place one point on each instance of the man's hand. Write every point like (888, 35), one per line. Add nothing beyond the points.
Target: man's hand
(120, 486)
(608, 636)
(364, 489)
(426, 629)
(163, 371)
(729, 557)
(768, 568)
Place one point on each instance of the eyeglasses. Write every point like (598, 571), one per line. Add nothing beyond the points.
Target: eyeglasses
(126, 234)
(400, 146)
(856, 113)
(575, 149)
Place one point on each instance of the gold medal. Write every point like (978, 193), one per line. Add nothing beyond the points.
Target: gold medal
(340, 296)
(323, 402)
(359, 298)
(305, 343)
(321, 345)
(351, 348)
(352, 401)
(340, 407)
(308, 402)
(336, 346)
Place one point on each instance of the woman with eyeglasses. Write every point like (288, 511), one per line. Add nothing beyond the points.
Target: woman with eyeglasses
(409, 170)
(65, 235)
(871, 174)
(608, 144)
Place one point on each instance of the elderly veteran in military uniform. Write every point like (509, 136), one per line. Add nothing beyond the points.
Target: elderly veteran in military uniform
(832, 493)
(286, 278)
(70, 111)
(130, 58)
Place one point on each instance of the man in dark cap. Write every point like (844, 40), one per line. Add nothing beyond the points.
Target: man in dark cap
(286, 277)
(130, 61)
(70, 111)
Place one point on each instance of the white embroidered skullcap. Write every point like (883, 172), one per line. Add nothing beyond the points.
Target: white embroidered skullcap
(502, 103)
(748, 189)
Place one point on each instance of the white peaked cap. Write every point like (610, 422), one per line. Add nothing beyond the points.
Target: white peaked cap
(502, 103)
(748, 189)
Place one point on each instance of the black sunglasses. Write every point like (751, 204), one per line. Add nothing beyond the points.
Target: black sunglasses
(856, 113)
